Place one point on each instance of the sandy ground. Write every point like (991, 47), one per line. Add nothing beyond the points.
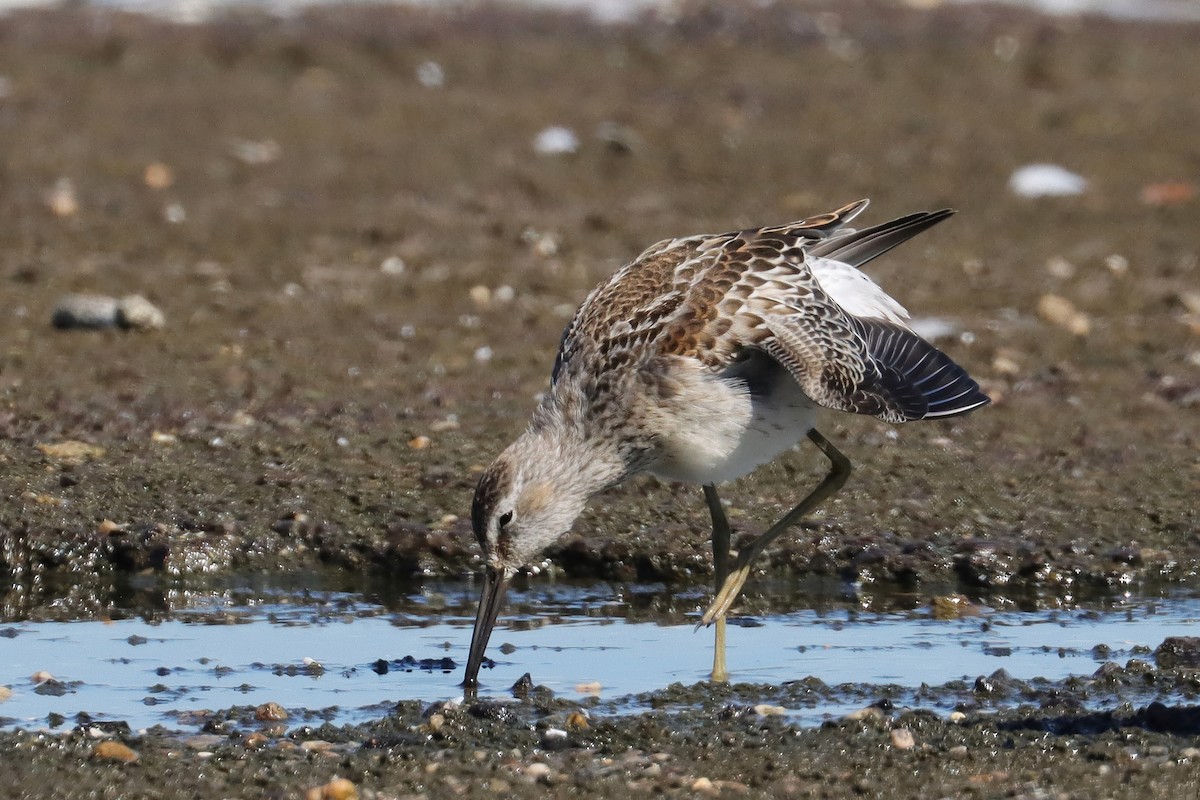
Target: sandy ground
(364, 278)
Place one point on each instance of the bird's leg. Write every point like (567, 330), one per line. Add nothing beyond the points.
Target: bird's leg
(839, 470)
(720, 546)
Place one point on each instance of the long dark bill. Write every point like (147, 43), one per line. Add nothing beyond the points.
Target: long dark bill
(495, 584)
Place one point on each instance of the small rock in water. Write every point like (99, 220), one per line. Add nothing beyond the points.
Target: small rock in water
(556, 140)
(868, 713)
(592, 687)
(1178, 651)
(902, 739)
(523, 686)
(1046, 180)
(270, 712)
(254, 740)
(5, 693)
(577, 721)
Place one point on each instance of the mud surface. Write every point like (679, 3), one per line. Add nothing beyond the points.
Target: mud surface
(329, 233)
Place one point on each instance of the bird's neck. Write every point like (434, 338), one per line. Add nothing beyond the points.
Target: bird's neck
(583, 458)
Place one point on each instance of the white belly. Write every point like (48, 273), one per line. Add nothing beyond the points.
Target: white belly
(723, 429)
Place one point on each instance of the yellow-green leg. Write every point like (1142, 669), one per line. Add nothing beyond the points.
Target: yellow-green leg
(720, 546)
(839, 470)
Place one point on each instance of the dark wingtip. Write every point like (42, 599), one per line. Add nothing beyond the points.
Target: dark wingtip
(919, 380)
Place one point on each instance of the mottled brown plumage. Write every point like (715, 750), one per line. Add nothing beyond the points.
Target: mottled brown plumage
(701, 359)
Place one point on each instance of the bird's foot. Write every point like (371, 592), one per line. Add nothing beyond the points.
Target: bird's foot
(721, 604)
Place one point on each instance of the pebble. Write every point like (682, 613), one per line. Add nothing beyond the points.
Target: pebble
(766, 710)
(41, 676)
(254, 740)
(959, 751)
(902, 739)
(158, 176)
(393, 265)
(593, 687)
(1117, 264)
(1005, 363)
(870, 712)
(5, 693)
(61, 200)
(114, 751)
(481, 296)
(270, 712)
(483, 354)
(71, 451)
(137, 313)
(255, 153)
(577, 721)
(92, 311)
(556, 140)
(539, 771)
(1046, 180)
(1060, 311)
(953, 606)
(336, 789)
(316, 746)
(174, 213)
(1059, 267)
(957, 716)
(159, 437)
(431, 75)
(1170, 193)
(419, 442)
(704, 786)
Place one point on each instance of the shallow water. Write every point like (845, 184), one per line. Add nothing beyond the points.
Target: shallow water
(318, 655)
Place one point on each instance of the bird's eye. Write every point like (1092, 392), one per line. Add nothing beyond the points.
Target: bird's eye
(505, 518)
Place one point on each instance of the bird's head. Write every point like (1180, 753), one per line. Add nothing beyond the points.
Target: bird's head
(525, 501)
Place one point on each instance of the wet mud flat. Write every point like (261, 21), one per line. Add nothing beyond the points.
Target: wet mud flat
(364, 265)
